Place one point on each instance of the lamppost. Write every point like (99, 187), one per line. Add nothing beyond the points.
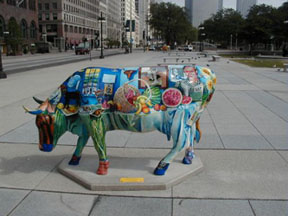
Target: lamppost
(131, 40)
(3, 75)
(200, 28)
(101, 19)
(231, 41)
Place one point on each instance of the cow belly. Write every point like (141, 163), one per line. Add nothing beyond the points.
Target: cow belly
(134, 123)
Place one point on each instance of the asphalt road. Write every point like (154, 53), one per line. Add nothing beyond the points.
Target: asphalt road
(15, 64)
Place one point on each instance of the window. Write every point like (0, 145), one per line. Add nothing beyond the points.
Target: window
(54, 5)
(39, 6)
(47, 16)
(46, 6)
(24, 28)
(54, 16)
(39, 16)
(33, 30)
(11, 2)
(32, 5)
(23, 4)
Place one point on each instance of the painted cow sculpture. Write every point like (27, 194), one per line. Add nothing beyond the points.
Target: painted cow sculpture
(95, 100)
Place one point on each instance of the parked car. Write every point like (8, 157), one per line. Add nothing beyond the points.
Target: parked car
(188, 48)
(152, 48)
(83, 48)
(42, 47)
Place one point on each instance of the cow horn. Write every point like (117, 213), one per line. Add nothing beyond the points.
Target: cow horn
(35, 112)
(38, 100)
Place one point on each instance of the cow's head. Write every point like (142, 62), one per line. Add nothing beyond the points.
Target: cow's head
(45, 122)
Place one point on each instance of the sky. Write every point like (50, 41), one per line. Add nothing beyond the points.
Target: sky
(232, 3)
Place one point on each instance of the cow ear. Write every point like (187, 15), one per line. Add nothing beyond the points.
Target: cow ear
(33, 112)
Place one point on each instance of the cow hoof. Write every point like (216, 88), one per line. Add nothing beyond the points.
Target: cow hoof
(161, 168)
(74, 160)
(189, 155)
(103, 168)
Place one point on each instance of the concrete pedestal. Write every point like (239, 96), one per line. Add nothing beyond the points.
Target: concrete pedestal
(132, 169)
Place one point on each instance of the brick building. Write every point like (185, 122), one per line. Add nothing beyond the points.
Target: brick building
(25, 15)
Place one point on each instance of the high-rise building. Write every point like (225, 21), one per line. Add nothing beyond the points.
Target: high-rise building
(143, 10)
(128, 12)
(243, 6)
(198, 11)
(114, 25)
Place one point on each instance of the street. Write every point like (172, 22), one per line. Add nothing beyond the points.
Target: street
(244, 147)
(14, 64)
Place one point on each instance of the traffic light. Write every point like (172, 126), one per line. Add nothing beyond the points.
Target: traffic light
(127, 26)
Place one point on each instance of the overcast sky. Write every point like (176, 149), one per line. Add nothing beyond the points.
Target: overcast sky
(232, 3)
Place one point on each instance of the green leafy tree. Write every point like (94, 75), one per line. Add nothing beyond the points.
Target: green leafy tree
(259, 24)
(221, 25)
(171, 24)
(14, 40)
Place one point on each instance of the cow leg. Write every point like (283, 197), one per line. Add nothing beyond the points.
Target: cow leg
(82, 141)
(98, 137)
(198, 131)
(97, 130)
(179, 131)
(189, 152)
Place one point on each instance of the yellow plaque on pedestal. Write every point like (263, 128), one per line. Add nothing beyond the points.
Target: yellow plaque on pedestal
(131, 180)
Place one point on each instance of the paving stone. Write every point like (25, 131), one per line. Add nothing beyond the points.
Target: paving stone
(210, 138)
(25, 166)
(55, 204)
(127, 206)
(9, 199)
(194, 207)
(284, 154)
(270, 208)
(237, 175)
(273, 103)
(262, 118)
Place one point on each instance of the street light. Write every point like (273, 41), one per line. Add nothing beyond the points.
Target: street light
(101, 19)
(202, 34)
(3, 75)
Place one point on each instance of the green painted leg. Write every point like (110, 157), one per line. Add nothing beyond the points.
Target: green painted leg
(82, 141)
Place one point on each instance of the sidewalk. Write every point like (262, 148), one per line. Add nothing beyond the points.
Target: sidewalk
(244, 149)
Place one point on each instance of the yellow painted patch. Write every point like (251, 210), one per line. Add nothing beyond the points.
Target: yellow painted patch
(131, 180)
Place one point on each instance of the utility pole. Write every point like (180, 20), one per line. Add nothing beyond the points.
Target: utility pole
(130, 26)
(101, 19)
(2, 73)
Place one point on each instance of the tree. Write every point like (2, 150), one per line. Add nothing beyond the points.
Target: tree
(170, 23)
(221, 25)
(259, 24)
(14, 40)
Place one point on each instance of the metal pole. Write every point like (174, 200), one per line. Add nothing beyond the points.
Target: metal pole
(2, 73)
(130, 26)
(231, 38)
(101, 39)
(236, 42)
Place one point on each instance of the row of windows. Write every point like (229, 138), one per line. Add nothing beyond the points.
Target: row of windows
(46, 6)
(81, 12)
(47, 16)
(79, 20)
(31, 3)
(27, 31)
